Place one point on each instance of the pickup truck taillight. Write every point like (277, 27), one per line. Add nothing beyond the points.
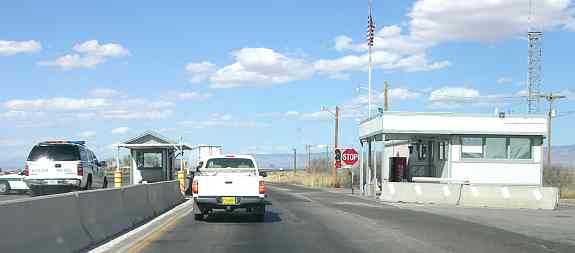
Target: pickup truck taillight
(80, 170)
(195, 187)
(26, 170)
(262, 187)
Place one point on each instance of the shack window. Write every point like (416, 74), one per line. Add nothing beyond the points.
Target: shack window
(519, 148)
(422, 154)
(150, 160)
(472, 147)
(496, 148)
(442, 151)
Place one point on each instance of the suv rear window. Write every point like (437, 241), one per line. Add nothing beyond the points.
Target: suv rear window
(215, 163)
(55, 153)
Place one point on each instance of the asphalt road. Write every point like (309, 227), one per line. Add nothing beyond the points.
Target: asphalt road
(13, 196)
(308, 220)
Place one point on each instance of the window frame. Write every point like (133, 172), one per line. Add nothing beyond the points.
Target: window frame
(507, 148)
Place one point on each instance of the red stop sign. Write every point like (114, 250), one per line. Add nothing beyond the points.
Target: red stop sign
(350, 156)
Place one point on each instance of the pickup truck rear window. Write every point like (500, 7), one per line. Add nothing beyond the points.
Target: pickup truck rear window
(215, 163)
(55, 153)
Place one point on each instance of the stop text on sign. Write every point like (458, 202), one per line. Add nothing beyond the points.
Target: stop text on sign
(350, 156)
(353, 157)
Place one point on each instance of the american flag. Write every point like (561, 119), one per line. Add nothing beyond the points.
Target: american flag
(370, 30)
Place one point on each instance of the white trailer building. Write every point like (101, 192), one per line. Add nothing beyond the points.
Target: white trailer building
(448, 147)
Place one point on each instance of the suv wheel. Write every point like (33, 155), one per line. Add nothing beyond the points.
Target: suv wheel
(89, 183)
(4, 188)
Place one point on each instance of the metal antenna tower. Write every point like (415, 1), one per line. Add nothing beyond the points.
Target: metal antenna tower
(535, 51)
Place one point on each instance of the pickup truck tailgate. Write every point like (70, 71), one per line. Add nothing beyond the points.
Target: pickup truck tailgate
(232, 184)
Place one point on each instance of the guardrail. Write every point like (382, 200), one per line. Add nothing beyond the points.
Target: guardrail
(499, 196)
(72, 222)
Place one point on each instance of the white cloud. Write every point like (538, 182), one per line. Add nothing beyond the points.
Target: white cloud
(260, 67)
(504, 80)
(481, 20)
(319, 115)
(73, 61)
(93, 47)
(221, 120)
(89, 54)
(522, 93)
(389, 38)
(87, 134)
(8, 47)
(136, 115)
(120, 130)
(340, 76)
(62, 103)
(456, 97)
(292, 113)
(380, 59)
(70, 109)
(194, 96)
(402, 94)
(201, 71)
(453, 93)
(103, 92)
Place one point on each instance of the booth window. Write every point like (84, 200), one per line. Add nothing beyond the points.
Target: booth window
(472, 147)
(150, 160)
(496, 148)
(519, 148)
(441, 151)
(422, 154)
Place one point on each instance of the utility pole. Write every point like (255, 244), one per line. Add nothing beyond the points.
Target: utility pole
(385, 97)
(335, 143)
(309, 156)
(551, 99)
(327, 157)
(294, 160)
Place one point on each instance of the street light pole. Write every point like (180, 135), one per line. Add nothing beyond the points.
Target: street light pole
(336, 139)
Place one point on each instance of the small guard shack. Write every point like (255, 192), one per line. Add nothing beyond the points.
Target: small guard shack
(449, 147)
(153, 157)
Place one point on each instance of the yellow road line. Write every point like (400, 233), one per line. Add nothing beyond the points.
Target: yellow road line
(142, 244)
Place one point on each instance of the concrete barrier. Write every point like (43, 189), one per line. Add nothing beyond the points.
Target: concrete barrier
(172, 193)
(157, 198)
(42, 224)
(447, 194)
(103, 213)
(72, 222)
(531, 197)
(136, 205)
(498, 196)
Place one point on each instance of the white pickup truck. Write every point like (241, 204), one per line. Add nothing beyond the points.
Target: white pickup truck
(228, 182)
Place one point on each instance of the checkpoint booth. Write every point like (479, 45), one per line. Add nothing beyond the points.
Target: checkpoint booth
(448, 147)
(153, 158)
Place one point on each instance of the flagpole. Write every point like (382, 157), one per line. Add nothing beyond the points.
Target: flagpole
(369, 85)
(369, 70)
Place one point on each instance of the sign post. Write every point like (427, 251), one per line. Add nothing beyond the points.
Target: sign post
(350, 157)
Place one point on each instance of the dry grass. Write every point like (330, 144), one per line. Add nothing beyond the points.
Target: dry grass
(317, 180)
(567, 193)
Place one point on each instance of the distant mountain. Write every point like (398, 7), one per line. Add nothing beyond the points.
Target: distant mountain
(285, 161)
(562, 155)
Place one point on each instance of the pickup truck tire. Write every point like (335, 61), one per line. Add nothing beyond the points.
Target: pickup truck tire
(198, 216)
(260, 212)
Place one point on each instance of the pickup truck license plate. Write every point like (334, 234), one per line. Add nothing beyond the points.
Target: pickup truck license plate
(228, 201)
(51, 182)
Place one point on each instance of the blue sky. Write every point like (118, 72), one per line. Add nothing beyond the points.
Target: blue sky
(252, 76)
